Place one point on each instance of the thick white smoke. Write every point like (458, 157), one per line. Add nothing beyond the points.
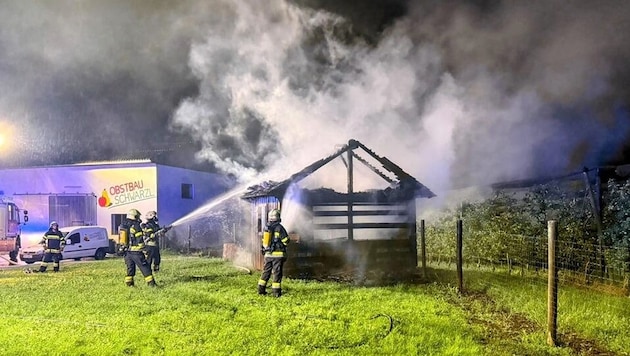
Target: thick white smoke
(441, 99)
(457, 93)
(373, 100)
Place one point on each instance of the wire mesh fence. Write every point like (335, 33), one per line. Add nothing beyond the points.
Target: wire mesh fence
(582, 264)
(586, 270)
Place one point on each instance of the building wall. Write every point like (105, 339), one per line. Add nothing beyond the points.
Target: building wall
(173, 204)
(115, 187)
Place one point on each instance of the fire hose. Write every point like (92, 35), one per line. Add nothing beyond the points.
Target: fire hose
(11, 262)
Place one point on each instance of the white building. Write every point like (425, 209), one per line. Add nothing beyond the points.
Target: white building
(102, 193)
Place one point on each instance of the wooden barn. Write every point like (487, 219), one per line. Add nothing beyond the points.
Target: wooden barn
(352, 235)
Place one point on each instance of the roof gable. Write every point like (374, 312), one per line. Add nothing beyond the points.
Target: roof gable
(403, 182)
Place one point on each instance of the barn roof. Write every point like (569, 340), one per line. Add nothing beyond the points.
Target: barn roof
(404, 181)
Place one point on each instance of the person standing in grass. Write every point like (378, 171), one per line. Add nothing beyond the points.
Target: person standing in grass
(274, 248)
(133, 249)
(53, 242)
(152, 233)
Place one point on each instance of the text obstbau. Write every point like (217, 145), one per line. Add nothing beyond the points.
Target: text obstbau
(126, 187)
(125, 193)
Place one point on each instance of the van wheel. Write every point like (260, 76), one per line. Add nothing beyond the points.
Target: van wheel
(100, 254)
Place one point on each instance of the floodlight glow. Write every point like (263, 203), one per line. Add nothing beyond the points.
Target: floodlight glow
(6, 131)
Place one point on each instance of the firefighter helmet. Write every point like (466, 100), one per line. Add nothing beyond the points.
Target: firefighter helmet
(134, 214)
(54, 223)
(151, 215)
(274, 216)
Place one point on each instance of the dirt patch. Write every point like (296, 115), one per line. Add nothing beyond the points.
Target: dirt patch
(583, 346)
(501, 324)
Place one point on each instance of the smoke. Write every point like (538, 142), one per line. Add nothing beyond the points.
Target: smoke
(457, 93)
(85, 80)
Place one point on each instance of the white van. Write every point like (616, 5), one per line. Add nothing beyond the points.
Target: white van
(81, 241)
(85, 241)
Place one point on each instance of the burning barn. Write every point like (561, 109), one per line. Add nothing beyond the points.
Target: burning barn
(354, 235)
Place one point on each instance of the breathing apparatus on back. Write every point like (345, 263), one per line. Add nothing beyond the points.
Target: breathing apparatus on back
(123, 230)
(272, 217)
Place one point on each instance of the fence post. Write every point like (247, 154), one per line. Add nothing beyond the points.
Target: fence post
(460, 273)
(423, 250)
(595, 205)
(189, 238)
(552, 284)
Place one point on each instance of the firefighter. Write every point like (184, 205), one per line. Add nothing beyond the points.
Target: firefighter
(53, 242)
(133, 249)
(152, 234)
(274, 248)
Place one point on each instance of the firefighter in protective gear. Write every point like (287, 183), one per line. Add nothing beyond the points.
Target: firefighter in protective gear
(274, 247)
(152, 234)
(53, 242)
(134, 254)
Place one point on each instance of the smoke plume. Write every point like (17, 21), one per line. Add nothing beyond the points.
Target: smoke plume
(457, 93)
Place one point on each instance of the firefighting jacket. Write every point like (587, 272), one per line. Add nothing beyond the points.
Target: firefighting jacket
(53, 241)
(150, 229)
(136, 235)
(279, 240)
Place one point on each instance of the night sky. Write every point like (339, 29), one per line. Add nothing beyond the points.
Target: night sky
(452, 91)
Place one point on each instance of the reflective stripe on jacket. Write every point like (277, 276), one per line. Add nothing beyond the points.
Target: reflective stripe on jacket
(136, 236)
(279, 240)
(53, 241)
(150, 230)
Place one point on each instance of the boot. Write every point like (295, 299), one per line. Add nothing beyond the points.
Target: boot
(277, 292)
(262, 290)
(152, 284)
(129, 281)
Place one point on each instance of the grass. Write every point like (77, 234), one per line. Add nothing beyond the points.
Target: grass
(205, 306)
(589, 321)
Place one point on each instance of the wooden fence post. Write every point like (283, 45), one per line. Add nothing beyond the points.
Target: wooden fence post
(189, 238)
(423, 250)
(460, 259)
(552, 284)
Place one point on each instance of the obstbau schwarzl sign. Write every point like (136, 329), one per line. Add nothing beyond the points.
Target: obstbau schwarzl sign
(126, 193)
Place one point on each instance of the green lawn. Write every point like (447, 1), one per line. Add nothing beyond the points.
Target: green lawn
(204, 306)
(589, 321)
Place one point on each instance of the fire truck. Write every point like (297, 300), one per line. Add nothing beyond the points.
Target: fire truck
(10, 229)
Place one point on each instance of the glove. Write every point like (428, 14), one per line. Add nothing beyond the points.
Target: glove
(264, 250)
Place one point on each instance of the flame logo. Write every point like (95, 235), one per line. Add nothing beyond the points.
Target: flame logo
(104, 200)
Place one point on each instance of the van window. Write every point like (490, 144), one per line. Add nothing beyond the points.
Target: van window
(75, 238)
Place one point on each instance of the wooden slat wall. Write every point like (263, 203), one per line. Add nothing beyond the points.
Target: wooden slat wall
(392, 253)
(351, 259)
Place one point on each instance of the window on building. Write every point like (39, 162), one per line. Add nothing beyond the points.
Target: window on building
(187, 191)
(117, 219)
